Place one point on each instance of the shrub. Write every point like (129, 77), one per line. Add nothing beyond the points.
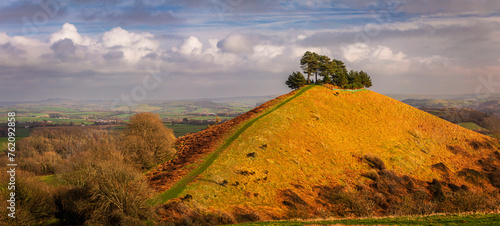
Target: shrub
(106, 191)
(468, 201)
(374, 161)
(34, 200)
(356, 203)
(373, 175)
(147, 141)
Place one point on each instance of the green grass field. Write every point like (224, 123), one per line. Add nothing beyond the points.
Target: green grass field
(51, 180)
(207, 117)
(20, 133)
(54, 120)
(455, 219)
(471, 126)
(181, 129)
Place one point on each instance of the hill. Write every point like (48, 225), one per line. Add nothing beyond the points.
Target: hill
(319, 153)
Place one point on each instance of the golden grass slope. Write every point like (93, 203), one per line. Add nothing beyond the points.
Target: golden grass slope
(279, 167)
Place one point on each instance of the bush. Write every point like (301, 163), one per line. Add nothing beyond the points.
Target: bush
(356, 203)
(99, 182)
(45, 150)
(374, 162)
(106, 191)
(467, 201)
(147, 141)
(34, 200)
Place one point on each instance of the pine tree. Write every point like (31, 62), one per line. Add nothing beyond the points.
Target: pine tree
(296, 80)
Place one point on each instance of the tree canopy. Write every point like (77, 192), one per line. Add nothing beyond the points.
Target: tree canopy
(330, 71)
(147, 140)
(296, 80)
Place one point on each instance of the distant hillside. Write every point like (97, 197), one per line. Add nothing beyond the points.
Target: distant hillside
(432, 103)
(470, 96)
(321, 153)
(489, 105)
(492, 107)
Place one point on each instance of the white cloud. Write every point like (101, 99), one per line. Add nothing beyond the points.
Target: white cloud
(4, 38)
(191, 46)
(69, 31)
(355, 52)
(133, 45)
(404, 51)
(435, 60)
(360, 51)
(385, 53)
(267, 51)
(298, 51)
(237, 43)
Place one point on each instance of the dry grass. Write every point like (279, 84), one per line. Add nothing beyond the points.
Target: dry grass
(336, 138)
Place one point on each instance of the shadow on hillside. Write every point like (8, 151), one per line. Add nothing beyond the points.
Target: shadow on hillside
(384, 193)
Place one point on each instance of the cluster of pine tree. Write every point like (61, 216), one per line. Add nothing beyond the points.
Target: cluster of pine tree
(330, 71)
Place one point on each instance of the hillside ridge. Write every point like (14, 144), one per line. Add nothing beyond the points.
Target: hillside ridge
(193, 147)
(337, 153)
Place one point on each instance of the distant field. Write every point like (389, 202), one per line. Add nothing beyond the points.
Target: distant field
(461, 219)
(24, 119)
(20, 133)
(181, 129)
(124, 116)
(208, 117)
(471, 126)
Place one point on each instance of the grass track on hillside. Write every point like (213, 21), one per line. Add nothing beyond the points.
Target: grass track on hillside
(179, 187)
(454, 219)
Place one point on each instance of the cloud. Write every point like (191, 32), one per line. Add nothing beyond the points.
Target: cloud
(237, 43)
(113, 55)
(64, 49)
(4, 38)
(450, 6)
(134, 46)
(34, 12)
(360, 51)
(250, 42)
(126, 13)
(385, 53)
(70, 32)
(355, 52)
(267, 51)
(191, 46)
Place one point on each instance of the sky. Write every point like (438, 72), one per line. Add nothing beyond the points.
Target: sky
(132, 51)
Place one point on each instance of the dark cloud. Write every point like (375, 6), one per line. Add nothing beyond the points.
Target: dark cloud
(233, 6)
(152, 56)
(64, 49)
(458, 38)
(450, 6)
(138, 13)
(113, 55)
(38, 13)
(241, 47)
(11, 50)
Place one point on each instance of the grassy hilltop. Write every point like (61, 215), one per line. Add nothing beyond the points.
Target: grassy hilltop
(321, 153)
